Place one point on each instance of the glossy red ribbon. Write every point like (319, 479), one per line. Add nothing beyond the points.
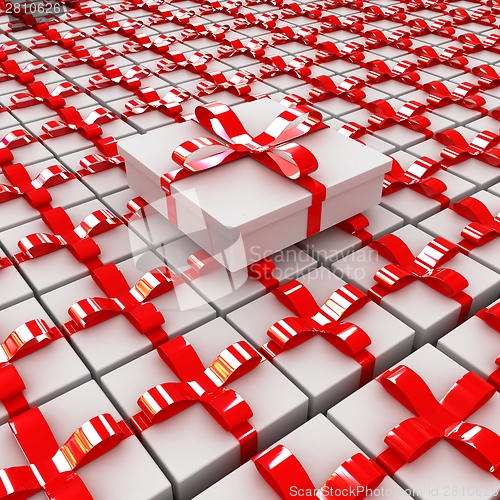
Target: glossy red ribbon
(148, 100)
(441, 27)
(107, 158)
(356, 225)
(141, 41)
(206, 386)
(10, 70)
(216, 81)
(134, 303)
(403, 71)
(435, 420)
(326, 320)
(53, 37)
(350, 89)
(405, 268)
(472, 43)
(255, 48)
(488, 76)
(464, 95)
(38, 93)
(81, 55)
(13, 140)
(352, 52)
(491, 316)
(52, 469)
(112, 75)
(172, 61)
(281, 470)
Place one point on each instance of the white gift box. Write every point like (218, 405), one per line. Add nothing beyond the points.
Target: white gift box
(320, 370)
(226, 290)
(479, 173)
(142, 218)
(192, 449)
(66, 194)
(369, 415)
(103, 182)
(321, 449)
(442, 313)
(338, 241)
(282, 204)
(24, 147)
(414, 206)
(73, 140)
(486, 123)
(455, 228)
(116, 244)
(42, 73)
(126, 471)
(47, 372)
(13, 288)
(495, 189)
(115, 341)
(475, 344)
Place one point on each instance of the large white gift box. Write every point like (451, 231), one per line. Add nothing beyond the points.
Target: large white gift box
(109, 323)
(475, 344)
(472, 224)
(13, 288)
(350, 235)
(82, 238)
(303, 464)
(245, 200)
(425, 282)
(193, 446)
(87, 423)
(431, 424)
(226, 290)
(41, 366)
(353, 340)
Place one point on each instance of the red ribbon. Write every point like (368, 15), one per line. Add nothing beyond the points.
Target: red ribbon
(441, 27)
(325, 320)
(13, 140)
(405, 268)
(78, 240)
(27, 338)
(173, 61)
(464, 95)
(356, 225)
(306, 35)
(216, 81)
(281, 470)
(139, 208)
(298, 67)
(482, 15)
(148, 99)
(483, 227)
(375, 13)
(107, 158)
(215, 32)
(141, 41)
(295, 162)
(133, 302)
(353, 24)
(398, 38)
(34, 191)
(81, 55)
(435, 420)
(53, 37)
(52, 469)
(38, 93)
(434, 5)
(4, 263)
(209, 7)
(109, 26)
(312, 10)
(349, 89)
(180, 17)
(482, 147)
(10, 70)
(451, 56)
(266, 21)
(205, 386)
(255, 48)
(491, 316)
(262, 271)
(472, 43)
(351, 52)
(418, 178)
(112, 75)
(488, 76)
(404, 72)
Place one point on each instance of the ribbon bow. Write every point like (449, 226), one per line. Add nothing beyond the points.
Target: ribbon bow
(180, 17)
(215, 32)
(173, 61)
(107, 158)
(405, 268)
(10, 70)
(482, 15)
(328, 51)
(134, 303)
(111, 25)
(205, 386)
(404, 72)
(488, 76)
(27, 338)
(53, 37)
(451, 56)
(435, 420)
(84, 10)
(398, 38)
(112, 75)
(78, 240)
(72, 121)
(216, 81)
(434, 5)
(472, 43)
(52, 469)
(271, 148)
(312, 10)
(325, 88)
(39, 93)
(375, 13)
(482, 147)
(464, 95)
(483, 227)
(325, 320)
(409, 116)
(491, 316)
(298, 67)
(148, 99)
(209, 7)
(255, 48)
(13, 140)
(141, 41)
(419, 178)
(306, 35)
(441, 27)
(81, 55)
(356, 225)
(353, 24)
(34, 191)
(266, 21)
(283, 472)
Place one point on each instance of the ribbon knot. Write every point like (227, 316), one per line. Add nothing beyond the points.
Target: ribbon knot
(435, 420)
(134, 303)
(283, 472)
(464, 94)
(10, 70)
(306, 35)
(172, 61)
(107, 158)
(208, 7)
(353, 24)
(276, 65)
(255, 48)
(405, 268)
(409, 116)
(180, 17)
(33, 190)
(356, 225)
(375, 13)
(215, 32)
(78, 240)
(265, 21)
(112, 75)
(111, 25)
(39, 93)
(81, 55)
(148, 99)
(203, 385)
(52, 469)
(482, 15)
(419, 178)
(216, 81)
(325, 320)
(141, 41)
(349, 89)
(53, 37)
(482, 147)
(312, 10)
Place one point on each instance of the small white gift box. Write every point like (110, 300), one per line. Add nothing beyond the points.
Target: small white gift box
(13, 288)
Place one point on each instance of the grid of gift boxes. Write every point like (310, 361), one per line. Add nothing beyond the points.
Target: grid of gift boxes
(250, 250)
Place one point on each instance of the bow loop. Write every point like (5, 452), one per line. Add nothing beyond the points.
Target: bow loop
(491, 316)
